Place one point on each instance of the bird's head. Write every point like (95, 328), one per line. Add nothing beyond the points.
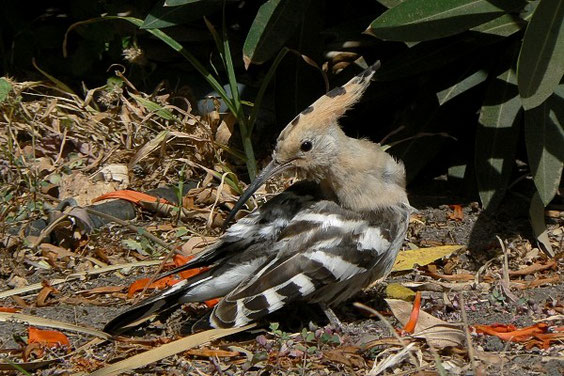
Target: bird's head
(310, 142)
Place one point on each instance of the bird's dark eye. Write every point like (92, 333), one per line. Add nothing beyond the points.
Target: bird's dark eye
(306, 146)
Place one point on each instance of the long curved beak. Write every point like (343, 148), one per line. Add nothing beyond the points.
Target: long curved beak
(270, 170)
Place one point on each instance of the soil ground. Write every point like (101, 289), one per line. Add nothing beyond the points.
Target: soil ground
(303, 343)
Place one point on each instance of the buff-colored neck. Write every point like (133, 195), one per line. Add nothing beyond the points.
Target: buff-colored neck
(364, 177)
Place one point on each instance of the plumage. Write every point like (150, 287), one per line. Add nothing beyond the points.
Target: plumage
(320, 241)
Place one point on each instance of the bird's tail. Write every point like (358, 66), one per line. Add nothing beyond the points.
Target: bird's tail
(163, 301)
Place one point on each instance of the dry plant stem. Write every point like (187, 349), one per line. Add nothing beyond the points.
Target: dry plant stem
(71, 277)
(149, 236)
(139, 230)
(505, 282)
(46, 231)
(390, 327)
(217, 196)
(505, 261)
(471, 354)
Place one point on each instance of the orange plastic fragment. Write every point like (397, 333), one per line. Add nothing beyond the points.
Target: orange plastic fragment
(168, 281)
(9, 309)
(49, 338)
(410, 325)
(131, 196)
(540, 334)
(180, 260)
(143, 283)
(516, 335)
(212, 302)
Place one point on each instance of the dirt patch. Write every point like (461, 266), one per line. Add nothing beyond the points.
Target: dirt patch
(302, 342)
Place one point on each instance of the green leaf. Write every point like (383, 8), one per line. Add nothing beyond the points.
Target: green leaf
(497, 135)
(153, 107)
(161, 15)
(175, 3)
(541, 61)
(460, 87)
(5, 88)
(544, 137)
(536, 215)
(273, 25)
(390, 3)
(504, 26)
(133, 245)
(431, 55)
(418, 20)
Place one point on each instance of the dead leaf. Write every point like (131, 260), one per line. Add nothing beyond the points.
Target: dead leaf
(79, 187)
(537, 282)
(457, 214)
(397, 291)
(116, 172)
(436, 332)
(196, 244)
(223, 133)
(408, 260)
(531, 269)
(347, 355)
(44, 294)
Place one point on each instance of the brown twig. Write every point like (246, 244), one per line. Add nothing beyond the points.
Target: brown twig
(471, 353)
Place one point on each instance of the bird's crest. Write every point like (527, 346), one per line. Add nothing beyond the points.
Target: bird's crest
(331, 106)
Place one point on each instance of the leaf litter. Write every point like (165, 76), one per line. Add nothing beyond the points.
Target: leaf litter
(135, 142)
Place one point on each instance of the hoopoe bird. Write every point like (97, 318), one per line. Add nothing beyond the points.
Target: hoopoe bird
(320, 241)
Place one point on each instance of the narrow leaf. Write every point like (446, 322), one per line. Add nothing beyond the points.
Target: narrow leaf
(418, 20)
(49, 323)
(5, 89)
(497, 135)
(163, 15)
(504, 26)
(273, 25)
(541, 62)
(431, 55)
(153, 107)
(145, 358)
(175, 3)
(460, 87)
(58, 83)
(544, 136)
(536, 215)
(390, 3)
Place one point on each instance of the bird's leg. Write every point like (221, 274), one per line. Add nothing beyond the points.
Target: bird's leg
(332, 317)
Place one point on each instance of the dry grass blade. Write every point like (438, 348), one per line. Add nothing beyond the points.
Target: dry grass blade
(148, 148)
(172, 348)
(392, 360)
(40, 321)
(70, 277)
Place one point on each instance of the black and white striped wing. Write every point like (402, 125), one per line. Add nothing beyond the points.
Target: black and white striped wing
(240, 252)
(325, 254)
(260, 227)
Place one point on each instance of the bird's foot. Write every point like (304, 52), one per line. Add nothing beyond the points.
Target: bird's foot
(333, 319)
